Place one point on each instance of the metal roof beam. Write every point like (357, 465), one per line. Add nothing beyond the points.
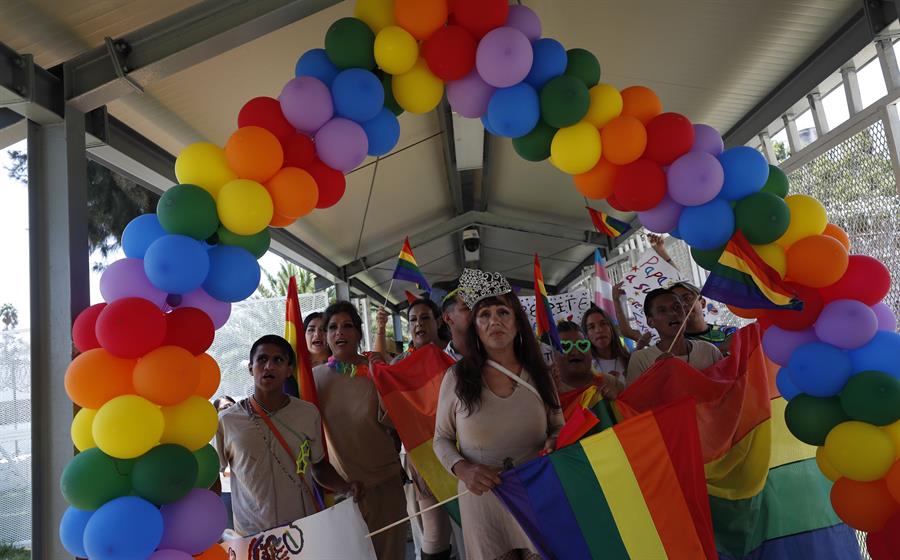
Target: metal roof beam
(28, 89)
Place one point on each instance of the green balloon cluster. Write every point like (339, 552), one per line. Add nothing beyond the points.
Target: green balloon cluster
(762, 217)
(777, 183)
(350, 43)
(389, 100)
(207, 466)
(188, 210)
(165, 474)
(257, 244)
(583, 65)
(811, 418)
(93, 478)
(706, 258)
(873, 397)
(535, 146)
(564, 101)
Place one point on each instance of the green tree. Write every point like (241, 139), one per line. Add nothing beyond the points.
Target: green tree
(9, 315)
(276, 285)
(781, 152)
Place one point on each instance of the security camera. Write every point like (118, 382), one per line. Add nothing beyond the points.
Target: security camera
(471, 244)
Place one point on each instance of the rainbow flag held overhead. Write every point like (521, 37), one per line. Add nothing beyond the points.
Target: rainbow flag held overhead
(410, 297)
(606, 224)
(543, 314)
(635, 491)
(741, 278)
(407, 268)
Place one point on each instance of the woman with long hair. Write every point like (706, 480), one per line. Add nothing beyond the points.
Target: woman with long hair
(607, 350)
(316, 339)
(497, 408)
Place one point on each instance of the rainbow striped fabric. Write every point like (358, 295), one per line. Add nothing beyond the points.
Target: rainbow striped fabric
(606, 224)
(408, 269)
(303, 385)
(633, 491)
(543, 313)
(741, 278)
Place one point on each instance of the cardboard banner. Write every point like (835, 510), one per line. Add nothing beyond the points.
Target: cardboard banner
(337, 533)
(649, 272)
(568, 306)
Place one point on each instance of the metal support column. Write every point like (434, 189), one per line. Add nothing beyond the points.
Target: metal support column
(365, 312)
(398, 326)
(342, 291)
(818, 113)
(790, 126)
(60, 289)
(851, 89)
(888, 59)
(768, 147)
(891, 120)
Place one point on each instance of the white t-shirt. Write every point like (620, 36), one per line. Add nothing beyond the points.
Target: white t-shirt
(700, 355)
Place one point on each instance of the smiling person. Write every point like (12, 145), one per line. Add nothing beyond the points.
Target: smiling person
(497, 409)
(358, 432)
(272, 444)
(575, 368)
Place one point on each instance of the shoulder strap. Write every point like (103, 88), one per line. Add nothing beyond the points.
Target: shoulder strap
(505, 371)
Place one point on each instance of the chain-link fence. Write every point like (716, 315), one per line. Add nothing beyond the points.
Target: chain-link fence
(15, 438)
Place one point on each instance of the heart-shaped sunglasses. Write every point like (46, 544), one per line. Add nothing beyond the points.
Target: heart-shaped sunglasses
(582, 345)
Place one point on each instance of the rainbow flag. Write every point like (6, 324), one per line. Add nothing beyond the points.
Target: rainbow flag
(741, 278)
(407, 268)
(302, 384)
(606, 224)
(633, 491)
(603, 297)
(543, 314)
(410, 297)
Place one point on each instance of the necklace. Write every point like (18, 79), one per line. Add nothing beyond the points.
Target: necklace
(347, 368)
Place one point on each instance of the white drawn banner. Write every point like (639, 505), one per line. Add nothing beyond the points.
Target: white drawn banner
(568, 306)
(649, 272)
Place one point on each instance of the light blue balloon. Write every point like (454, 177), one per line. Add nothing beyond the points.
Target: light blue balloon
(233, 273)
(127, 527)
(71, 530)
(176, 264)
(514, 111)
(786, 385)
(819, 369)
(316, 64)
(708, 226)
(140, 233)
(357, 94)
(383, 132)
(746, 171)
(550, 60)
(882, 353)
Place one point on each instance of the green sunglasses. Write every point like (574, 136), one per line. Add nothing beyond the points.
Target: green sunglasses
(582, 345)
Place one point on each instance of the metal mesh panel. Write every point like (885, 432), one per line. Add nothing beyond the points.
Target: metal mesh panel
(15, 438)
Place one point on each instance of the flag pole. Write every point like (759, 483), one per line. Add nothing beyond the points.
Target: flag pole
(683, 323)
(390, 286)
(420, 512)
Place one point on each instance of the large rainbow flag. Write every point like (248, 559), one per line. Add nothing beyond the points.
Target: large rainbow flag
(408, 269)
(302, 385)
(543, 313)
(633, 491)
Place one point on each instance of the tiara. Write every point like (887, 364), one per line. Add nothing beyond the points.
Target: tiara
(476, 285)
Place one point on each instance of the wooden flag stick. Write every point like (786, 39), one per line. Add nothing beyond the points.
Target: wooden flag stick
(390, 286)
(683, 323)
(405, 519)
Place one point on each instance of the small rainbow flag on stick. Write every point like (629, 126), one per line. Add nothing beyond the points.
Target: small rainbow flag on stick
(408, 269)
(543, 313)
(606, 224)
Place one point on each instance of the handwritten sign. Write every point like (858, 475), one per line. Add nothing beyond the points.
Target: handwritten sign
(649, 273)
(568, 306)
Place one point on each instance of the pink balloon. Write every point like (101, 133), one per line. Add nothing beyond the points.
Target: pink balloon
(695, 178)
(218, 311)
(126, 278)
(662, 218)
(470, 96)
(342, 144)
(887, 321)
(306, 103)
(504, 57)
(525, 20)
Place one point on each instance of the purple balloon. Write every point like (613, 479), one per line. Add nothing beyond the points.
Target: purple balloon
(218, 311)
(779, 343)
(306, 104)
(663, 217)
(470, 96)
(170, 554)
(887, 321)
(342, 144)
(193, 523)
(846, 323)
(504, 57)
(126, 278)
(695, 178)
(707, 139)
(525, 20)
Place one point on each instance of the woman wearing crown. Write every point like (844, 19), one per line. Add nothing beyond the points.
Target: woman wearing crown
(497, 408)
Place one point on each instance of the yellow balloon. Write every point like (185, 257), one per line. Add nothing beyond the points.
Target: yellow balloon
(204, 164)
(418, 91)
(808, 217)
(81, 429)
(377, 14)
(127, 426)
(190, 423)
(606, 104)
(859, 450)
(396, 51)
(773, 255)
(244, 207)
(576, 149)
(893, 431)
(827, 469)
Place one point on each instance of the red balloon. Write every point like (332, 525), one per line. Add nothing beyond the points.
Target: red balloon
(265, 112)
(885, 544)
(331, 183)
(83, 329)
(299, 151)
(131, 327)
(798, 320)
(450, 53)
(640, 185)
(614, 202)
(669, 136)
(189, 328)
(480, 16)
(866, 280)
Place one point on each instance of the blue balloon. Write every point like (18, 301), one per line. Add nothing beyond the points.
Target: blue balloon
(514, 111)
(550, 60)
(820, 369)
(746, 171)
(708, 226)
(786, 385)
(233, 273)
(127, 527)
(675, 233)
(315, 63)
(71, 530)
(358, 95)
(140, 233)
(882, 353)
(383, 132)
(487, 125)
(176, 264)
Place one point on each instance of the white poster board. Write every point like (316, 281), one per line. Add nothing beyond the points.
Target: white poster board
(568, 306)
(649, 273)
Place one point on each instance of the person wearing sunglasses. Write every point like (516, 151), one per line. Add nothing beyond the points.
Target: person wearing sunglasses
(574, 366)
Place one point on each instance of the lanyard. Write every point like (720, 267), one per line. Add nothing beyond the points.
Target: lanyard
(505, 371)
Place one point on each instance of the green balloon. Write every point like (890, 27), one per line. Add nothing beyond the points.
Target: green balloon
(811, 418)
(584, 66)
(564, 101)
(188, 210)
(207, 466)
(350, 43)
(873, 397)
(389, 100)
(763, 217)
(535, 146)
(258, 243)
(93, 478)
(165, 474)
(777, 183)
(706, 258)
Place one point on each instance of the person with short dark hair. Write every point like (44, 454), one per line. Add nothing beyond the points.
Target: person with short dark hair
(697, 328)
(223, 402)
(457, 316)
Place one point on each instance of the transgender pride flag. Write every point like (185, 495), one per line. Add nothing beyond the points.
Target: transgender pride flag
(602, 286)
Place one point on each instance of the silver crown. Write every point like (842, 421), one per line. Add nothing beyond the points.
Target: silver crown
(476, 285)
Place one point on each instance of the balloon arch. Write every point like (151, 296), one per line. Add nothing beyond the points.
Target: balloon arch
(140, 486)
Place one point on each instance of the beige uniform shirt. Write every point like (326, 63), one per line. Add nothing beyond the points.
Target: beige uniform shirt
(701, 356)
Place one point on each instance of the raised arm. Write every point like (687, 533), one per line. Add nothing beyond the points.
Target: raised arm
(622, 317)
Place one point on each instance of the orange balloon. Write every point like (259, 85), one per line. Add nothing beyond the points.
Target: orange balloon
(215, 552)
(598, 182)
(420, 17)
(294, 192)
(281, 221)
(832, 230)
(166, 376)
(97, 376)
(865, 506)
(254, 153)
(210, 375)
(746, 313)
(640, 102)
(624, 139)
(816, 261)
